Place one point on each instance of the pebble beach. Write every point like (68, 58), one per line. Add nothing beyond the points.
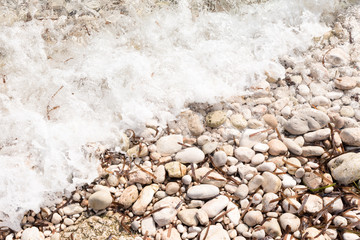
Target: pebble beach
(280, 161)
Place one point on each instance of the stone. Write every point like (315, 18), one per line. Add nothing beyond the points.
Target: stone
(244, 170)
(233, 215)
(169, 145)
(209, 147)
(73, 209)
(312, 232)
(336, 206)
(313, 204)
(146, 196)
(186, 179)
(68, 222)
(195, 125)
(268, 202)
(172, 188)
(257, 159)
(129, 196)
(175, 169)
(319, 135)
(351, 136)
(215, 206)
(190, 155)
(304, 90)
(238, 121)
(32, 233)
(244, 154)
(292, 164)
(100, 200)
(173, 235)
(258, 234)
(271, 182)
(337, 57)
(345, 168)
(346, 83)
(139, 176)
(288, 181)
(136, 151)
(202, 216)
(148, 226)
(166, 215)
(347, 111)
(312, 180)
(220, 158)
(277, 147)
(292, 146)
(188, 217)
(261, 147)
(255, 183)
(160, 174)
(266, 167)
(272, 228)
(255, 124)
(320, 101)
(215, 119)
(350, 236)
(270, 120)
(213, 178)
(112, 180)
(203, 191)
(306, 120)
(242, 191)
(312, 151)
(216, 232)
(289, 219)
(56, 218)
(289, 207)
(340, 221)
(253, 218)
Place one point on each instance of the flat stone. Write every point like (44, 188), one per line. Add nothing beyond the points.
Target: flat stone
(244, 154)
(169, 145)
(175, 169)
(292, 146)
(314, 204)
(190, 155)
(215, 119)
(346, 83)
(277, 147)
(272, 228)
(166, 215)
(320, 101)
(146, 196)
(100, 200)
(312, 151)
(216, 232)
(306, 120)
(203, 191)
(253, 218)
(73, 209)
(261, 147)
(319, 135)
(289, 219)
(266, 167)
(233, 215)
(215, 206)
(148, 226)
(188, 217)
(351, 136)
(213, 178)
(345, 168)
(271, 182)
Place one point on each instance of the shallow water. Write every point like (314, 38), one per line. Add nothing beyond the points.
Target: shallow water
(68, 82)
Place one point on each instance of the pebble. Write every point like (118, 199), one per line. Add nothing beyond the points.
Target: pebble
(238, 121)
(190, 155)
(146, 196)
(73, 209)
(347, 111)
(215, 119)
(288, 181)
(336, 206)
(188, 217)
(350, 236)
(244, 154)
(169, 145)
(345, 168)
(253, 218)
(289, 219)
(292, 164)
(213, 178)
(139, 176)
(160, 174)
(220, 158)
(261, 147)
(337, 57)
(304, 90)
(292, 146)
(203, 191)
(195, 124)
(266, 167)
(351, 136)
(148, 226)
(68, 222)
(270, 120)
(277, 147)
(32, 233)
(186, 179)
(318, 135)
(299, 172)
(242, 191)
(248, 140)
(289, 208)
(100, 200)
(271, 182)
(255, 183)
(202, 216)
(340, 221)
(312, 151)
(255, 124)
(272, 228)
(233, 215)
(306, 120)
(215, 232)
(268, 202)
(346, 83)
(175, 169)
(313, 204)
(166, 215)
(173, 235)
(258, 234)
(56, 218)
(209, 147)
(172, 188)
(215, 206)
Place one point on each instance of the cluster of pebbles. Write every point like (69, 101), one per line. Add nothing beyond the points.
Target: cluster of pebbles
(281, 162)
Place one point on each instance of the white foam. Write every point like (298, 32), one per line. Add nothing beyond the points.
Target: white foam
(144, 65)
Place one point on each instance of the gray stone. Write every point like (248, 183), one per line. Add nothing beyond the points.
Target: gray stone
(203, 191)
(209, 147)
(313, 204)
(312, 180)
(100, 200)
(351, 136)
(220, 158)
(337, 57)
(188, 217)
(345, 168)
(190, 155)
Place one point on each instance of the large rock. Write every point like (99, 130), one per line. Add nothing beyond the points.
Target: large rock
(306, 120)
(345, 168)
(203, 191)
(351, 136)
(169, 144)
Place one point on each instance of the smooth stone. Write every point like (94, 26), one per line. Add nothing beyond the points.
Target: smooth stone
(340, 221)
(233, 215)
(314, 204)
(312, 232)
(100, 200)
(257, 159)
(242, 191)
(253, 218)
(209, 147)
(146, 196)
(261, 147)
(213, 178)
(289, 219)
(288, 181)
(203, 139)
(268, 202)
(202, 216)
(320, 101)
(248, 140)
(337, 57)
(32, 233)
(306, 120)
(311, 180)
(166, 215)
(238, 121)
(195, 124)
(300, 172)
(56, 218)
(113, 180)
(266, 167)
(139, 176)
(216, 232)
(289, 208)
(347, 111)
(258, 234)
(292, 164)
(346, 83)
(350, 236)
(270, 120)
(255, 183)
(244, 154)
(271, 182)
(304, 90)
(220, 158)
(135, 151)
(129, 196)
(244, 170)
(160, 174)
(292, 146)
(255, 124)
(336, 206)
(215, 206)
(188, 217)
(345, 168)
(319, 135)
(169, 145)
(148, 226)
(173, 235)
(73, 209)
(203, 191)
(272, 228)
(175, 169)
(187, 179)
(190, 155)
(351, 136)
(172, 188)
(215, 119)
(277, 147)
(312, 151)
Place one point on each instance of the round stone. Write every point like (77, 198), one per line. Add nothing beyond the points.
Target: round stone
(289, 220)
(253, 218)
(203, 191)
(100, 200)
(215, 119)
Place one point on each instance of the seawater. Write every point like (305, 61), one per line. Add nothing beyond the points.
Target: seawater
(67, 82)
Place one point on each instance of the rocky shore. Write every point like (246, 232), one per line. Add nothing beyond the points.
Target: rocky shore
(281, 162)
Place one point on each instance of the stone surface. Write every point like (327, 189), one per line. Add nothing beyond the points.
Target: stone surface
(146, 195)
(244, 154)
(167, 214)
(215, 119)
(160, 174)
(139, 176)
(268, 202)
(203, 191)
(351, 136)
(148, 226)
(313, 204)
(172, 188)
(216, 232)
(100, 200)
(271, 182)
(168, 145)
(277, 147)
(292, 164)
(289, 219)
(345, 168)
(190, 155)
(188, 217)
(346, 83)
(242, 191)
(337, 57)
(220, 158)
(253, 218)
(306, 120)
(173, 235)
(270, 120)
(292, 146)
(73, 209)
(175, 169)
(312, 180)
(215, 206)
(272, 228)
